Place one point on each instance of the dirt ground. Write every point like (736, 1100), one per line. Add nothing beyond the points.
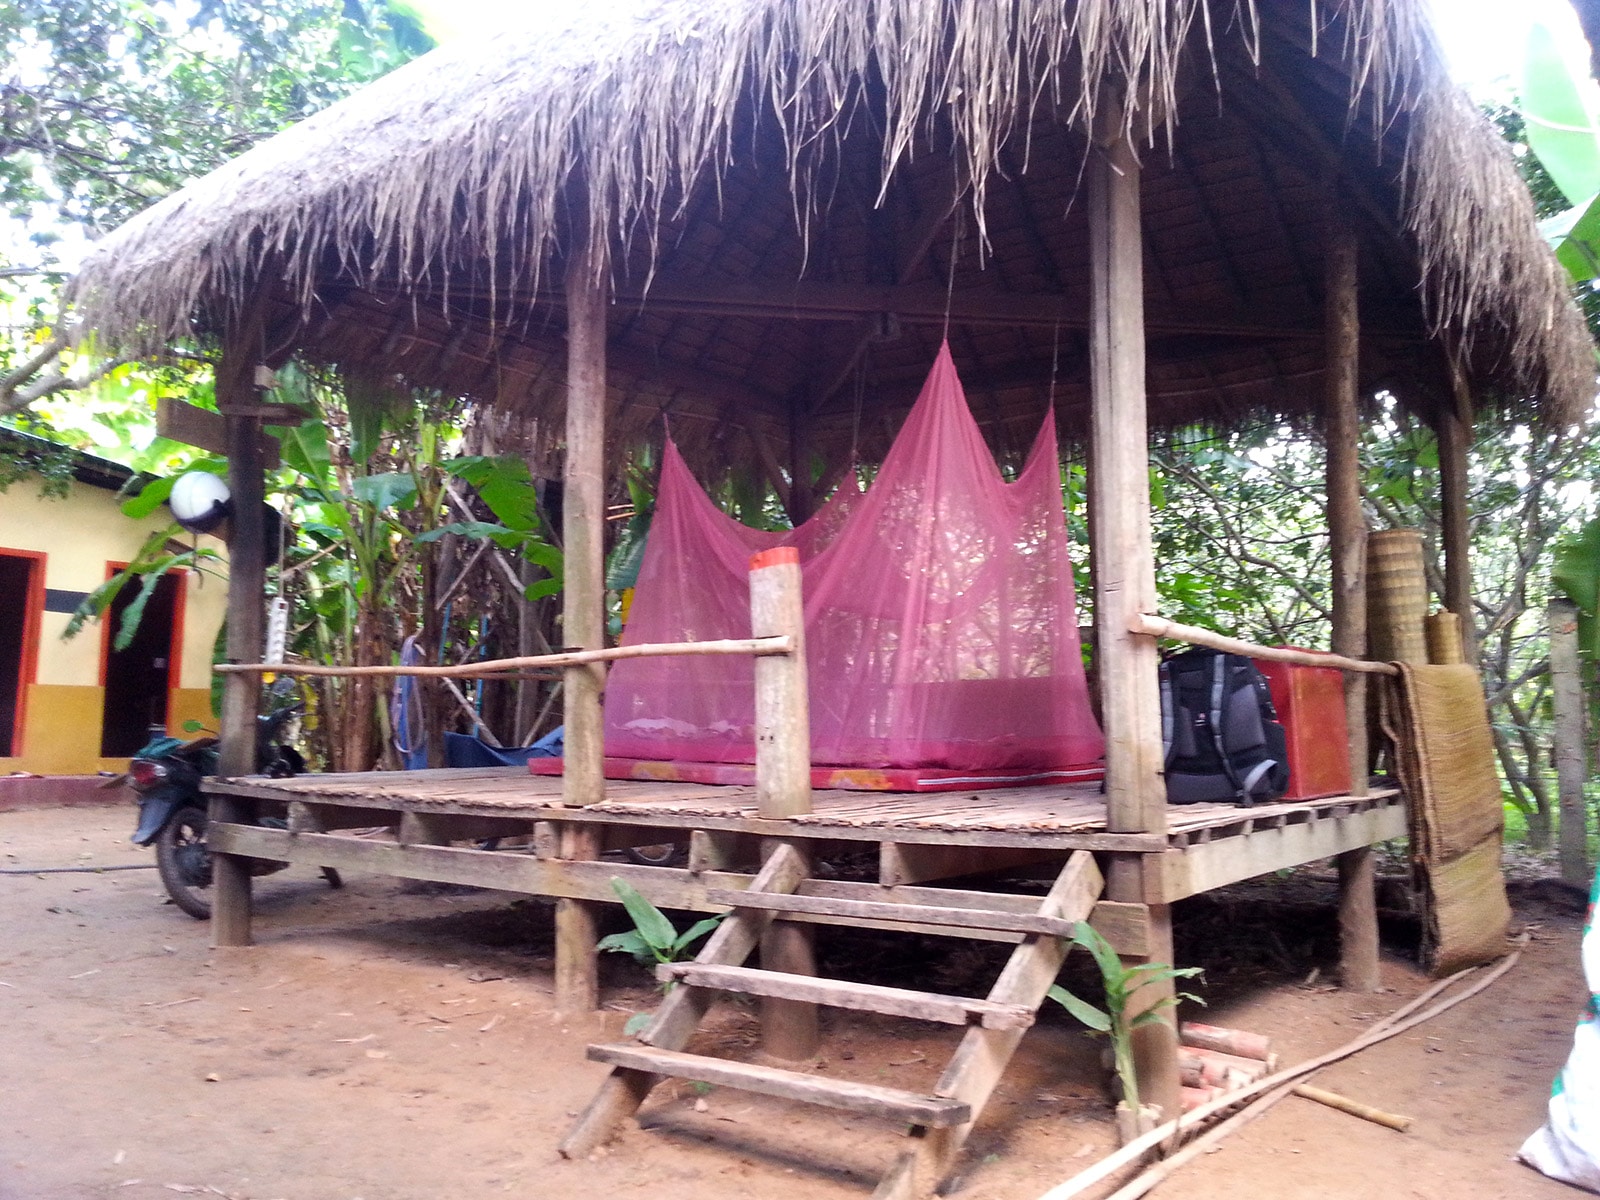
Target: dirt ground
(396, 1041)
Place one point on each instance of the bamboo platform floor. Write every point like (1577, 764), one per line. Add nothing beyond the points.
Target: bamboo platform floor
(1054, 815)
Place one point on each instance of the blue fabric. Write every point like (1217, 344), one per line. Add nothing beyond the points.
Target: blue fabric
(465, 750)
(410, 745)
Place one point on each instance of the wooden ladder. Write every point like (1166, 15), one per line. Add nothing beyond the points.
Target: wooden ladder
(939, 1121)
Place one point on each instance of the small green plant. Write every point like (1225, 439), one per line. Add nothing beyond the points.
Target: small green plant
(1121, 983)
(653, 938)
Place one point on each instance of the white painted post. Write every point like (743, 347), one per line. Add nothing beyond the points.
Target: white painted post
(1569, 751)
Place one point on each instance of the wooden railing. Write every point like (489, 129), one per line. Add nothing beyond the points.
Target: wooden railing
(1153, 626)
(782, 716)
(489, 668)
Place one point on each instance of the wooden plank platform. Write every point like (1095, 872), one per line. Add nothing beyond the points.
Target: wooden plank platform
(1053, 817)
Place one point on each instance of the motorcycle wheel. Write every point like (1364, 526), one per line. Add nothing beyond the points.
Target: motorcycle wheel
(666, 854)
(184, 863)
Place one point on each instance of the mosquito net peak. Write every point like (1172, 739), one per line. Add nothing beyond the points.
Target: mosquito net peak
(940, 620)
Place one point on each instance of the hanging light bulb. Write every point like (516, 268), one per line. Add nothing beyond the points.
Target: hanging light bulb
(200, 501)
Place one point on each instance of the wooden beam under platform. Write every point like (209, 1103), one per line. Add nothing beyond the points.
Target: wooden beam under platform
(921, 839)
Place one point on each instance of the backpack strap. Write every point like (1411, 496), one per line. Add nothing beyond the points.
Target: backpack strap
(1167, 704)
(1219, 697)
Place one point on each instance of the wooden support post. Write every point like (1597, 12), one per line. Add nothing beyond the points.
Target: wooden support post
(1124, 563)
(583, 521)
(789, 1028)
(578, 931)
(247, 577)
(1347, 532)
(1569, 751)
(1119, 487)
(783, 718)
(1455, 445)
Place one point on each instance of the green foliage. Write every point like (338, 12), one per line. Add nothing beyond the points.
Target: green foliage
(1122, 984)
(1562, 108)
(155, 558)
(653, 938)
(105, 107)
(1561, 111)
(110, 104)
(23, 456)
(1576, 575)
(1239, 533)
(505, 486)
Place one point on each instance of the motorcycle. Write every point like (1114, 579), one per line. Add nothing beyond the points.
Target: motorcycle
(165, 777)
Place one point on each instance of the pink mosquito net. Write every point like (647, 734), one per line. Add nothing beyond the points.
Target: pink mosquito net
(939, 614)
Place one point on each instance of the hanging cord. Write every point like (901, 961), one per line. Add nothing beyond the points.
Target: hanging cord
(1055, 361)
(950, 279)
(855, 418)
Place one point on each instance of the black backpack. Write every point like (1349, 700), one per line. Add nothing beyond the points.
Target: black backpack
(1219, 731)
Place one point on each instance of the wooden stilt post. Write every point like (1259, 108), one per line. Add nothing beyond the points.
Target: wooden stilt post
(583, 526)
(1569, 751)
(789, 1028)
(783, 718)
(247, 573)
(1124, 567)
(1347, 532)
(577, 966)
(583, 608)
(1455, 445)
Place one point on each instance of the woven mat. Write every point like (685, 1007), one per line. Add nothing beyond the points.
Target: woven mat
(1436, 717)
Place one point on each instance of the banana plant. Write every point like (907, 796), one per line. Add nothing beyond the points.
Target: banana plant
(507, 489)
(1561, 113)
(653, 938)
(1121, 985)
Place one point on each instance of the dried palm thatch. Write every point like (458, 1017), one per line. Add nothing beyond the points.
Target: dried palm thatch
(462, 166)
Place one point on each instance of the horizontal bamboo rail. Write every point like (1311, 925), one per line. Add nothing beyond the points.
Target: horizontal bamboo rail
(495, 667)
(1153, 626)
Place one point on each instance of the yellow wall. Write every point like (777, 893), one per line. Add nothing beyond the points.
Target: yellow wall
(81, 535)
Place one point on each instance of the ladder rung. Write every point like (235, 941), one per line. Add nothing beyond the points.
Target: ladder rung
(867, 1098)
(909, 914)
(839, 993)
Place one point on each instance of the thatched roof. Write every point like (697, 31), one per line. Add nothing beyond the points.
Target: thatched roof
(778, 179)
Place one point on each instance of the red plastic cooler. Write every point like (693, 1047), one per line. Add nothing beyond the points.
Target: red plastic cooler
(1310, 703)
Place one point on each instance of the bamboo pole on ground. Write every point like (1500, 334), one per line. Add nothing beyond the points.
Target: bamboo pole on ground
(1124, 564)
(1268, 1090)
(1358, 905)
(1354, 1107)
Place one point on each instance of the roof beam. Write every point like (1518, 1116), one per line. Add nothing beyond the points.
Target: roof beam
(822, 300)
(935, 207)
(827, 300)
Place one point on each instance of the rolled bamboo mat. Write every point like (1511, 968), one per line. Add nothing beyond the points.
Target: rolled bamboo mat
(1444, 639)
(1444, 753)
(1397, 596)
